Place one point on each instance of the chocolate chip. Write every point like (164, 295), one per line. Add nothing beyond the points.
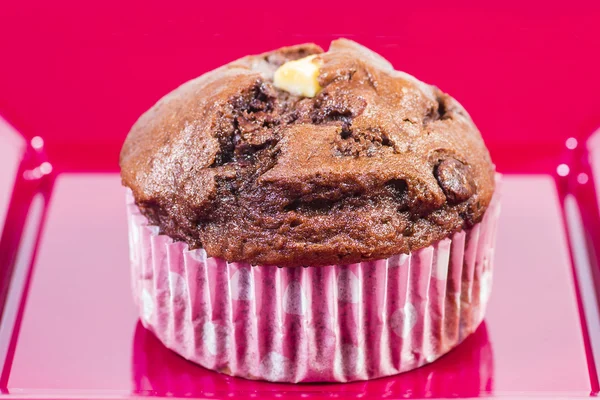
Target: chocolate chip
(333, 105)
(439, 111)
(399, 191)
(454, 178)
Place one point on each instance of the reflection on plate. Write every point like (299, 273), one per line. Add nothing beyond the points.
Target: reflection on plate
(466, 371)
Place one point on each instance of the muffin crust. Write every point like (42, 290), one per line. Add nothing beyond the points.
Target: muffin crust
(376, 164)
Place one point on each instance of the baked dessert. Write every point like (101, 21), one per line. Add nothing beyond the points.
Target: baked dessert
(331, 161)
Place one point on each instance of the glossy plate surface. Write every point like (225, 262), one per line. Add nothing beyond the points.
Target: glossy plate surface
(79, 334)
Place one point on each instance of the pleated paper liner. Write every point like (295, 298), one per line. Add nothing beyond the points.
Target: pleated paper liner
(335, 323)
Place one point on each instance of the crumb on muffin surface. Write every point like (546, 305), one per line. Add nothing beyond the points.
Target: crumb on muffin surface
(377, 163)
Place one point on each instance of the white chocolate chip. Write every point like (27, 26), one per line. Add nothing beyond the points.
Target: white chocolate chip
(299, 77)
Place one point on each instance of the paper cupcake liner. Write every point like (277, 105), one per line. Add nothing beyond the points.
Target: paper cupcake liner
(335, 323)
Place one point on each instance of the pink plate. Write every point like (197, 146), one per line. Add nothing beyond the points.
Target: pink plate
(63, 335)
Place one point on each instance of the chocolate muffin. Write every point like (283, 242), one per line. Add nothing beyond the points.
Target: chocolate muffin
(376, 163)
(310, 216)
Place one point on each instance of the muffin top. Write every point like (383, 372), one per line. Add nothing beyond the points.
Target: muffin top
(375, 163)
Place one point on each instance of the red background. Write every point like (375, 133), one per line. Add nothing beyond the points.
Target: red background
(78, 74)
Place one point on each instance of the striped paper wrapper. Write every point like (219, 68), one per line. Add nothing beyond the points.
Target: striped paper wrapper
(336, 323)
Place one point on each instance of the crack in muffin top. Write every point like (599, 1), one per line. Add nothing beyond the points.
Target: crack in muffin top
(377, 163)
